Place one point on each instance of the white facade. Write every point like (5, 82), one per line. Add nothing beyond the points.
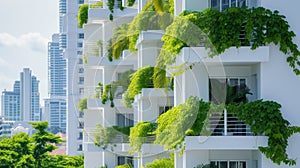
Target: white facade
(264, 70)
(73, 41)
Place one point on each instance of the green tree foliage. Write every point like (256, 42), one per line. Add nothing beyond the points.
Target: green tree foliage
(44, 141)
(82, 104)
(82, 15)
(22, 151)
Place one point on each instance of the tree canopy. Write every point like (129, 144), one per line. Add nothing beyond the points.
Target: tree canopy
(23, 151)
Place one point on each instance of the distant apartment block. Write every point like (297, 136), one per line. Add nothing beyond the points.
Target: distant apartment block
(23, 103)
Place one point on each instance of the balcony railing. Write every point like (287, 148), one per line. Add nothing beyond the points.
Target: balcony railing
(93, 49)
(227, 124)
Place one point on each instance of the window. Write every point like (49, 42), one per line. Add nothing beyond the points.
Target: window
(81, 36)
(80, 125)
(124, 120)
(164, 109)
(79, 52)
(81, 91)
(80, 70)
(81, 80)
(80, 136)
(79, 147)
(125, 160)
(80, 1)
(119, 76)
(224, 4)
(228, 164)
(80, 61)
(226, 90)
(79, 45)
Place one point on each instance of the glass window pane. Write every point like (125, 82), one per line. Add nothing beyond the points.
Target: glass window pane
(233, 3)
(215, 4)
(223, 164)
(241, 3)
(225, 4)
(233, 164)
(217, 90)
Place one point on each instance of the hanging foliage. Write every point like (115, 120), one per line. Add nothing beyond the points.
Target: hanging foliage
(138, 80)
(82, 15)
(109, 91)
(188, 118)
(82, 104)
(105, 137)
(218, 31)
(277, 129)
(125, 36)
(139, 134)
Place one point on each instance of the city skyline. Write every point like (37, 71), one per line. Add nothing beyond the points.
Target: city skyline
(24, 38)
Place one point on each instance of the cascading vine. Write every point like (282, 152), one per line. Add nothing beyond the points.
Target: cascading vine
(190, 118)
(218, 31)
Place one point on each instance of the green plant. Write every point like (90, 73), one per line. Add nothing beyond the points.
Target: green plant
(277, 129)
(98, 4)
(82, 104)
(23, 151)
(205, 166)
(162, 163)
(98, 48)
(124, 166)
(106, 136)
(82, 15)
(108, 93)
(138, 80)
(261, 27)
(85, 58)
(139, 134)
(125, 37)
(188, 118)
(103, 166)
(111, 4)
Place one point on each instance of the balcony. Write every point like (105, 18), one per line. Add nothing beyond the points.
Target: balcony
(232, 55)
(227, 124)
(154, 92)
(96, 14)
(126, 59)
(225, 142)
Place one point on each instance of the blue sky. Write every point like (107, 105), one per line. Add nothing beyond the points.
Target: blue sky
(26, 28)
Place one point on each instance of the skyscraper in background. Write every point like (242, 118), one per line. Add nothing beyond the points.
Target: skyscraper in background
(10, 103)
(66, 78)
(55, 105)
(23, 103)
(29, 96)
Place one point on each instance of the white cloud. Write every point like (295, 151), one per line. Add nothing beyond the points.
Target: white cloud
(32, 41)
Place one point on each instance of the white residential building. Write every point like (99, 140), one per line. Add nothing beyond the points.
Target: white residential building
(264, 70)
(71, 40)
